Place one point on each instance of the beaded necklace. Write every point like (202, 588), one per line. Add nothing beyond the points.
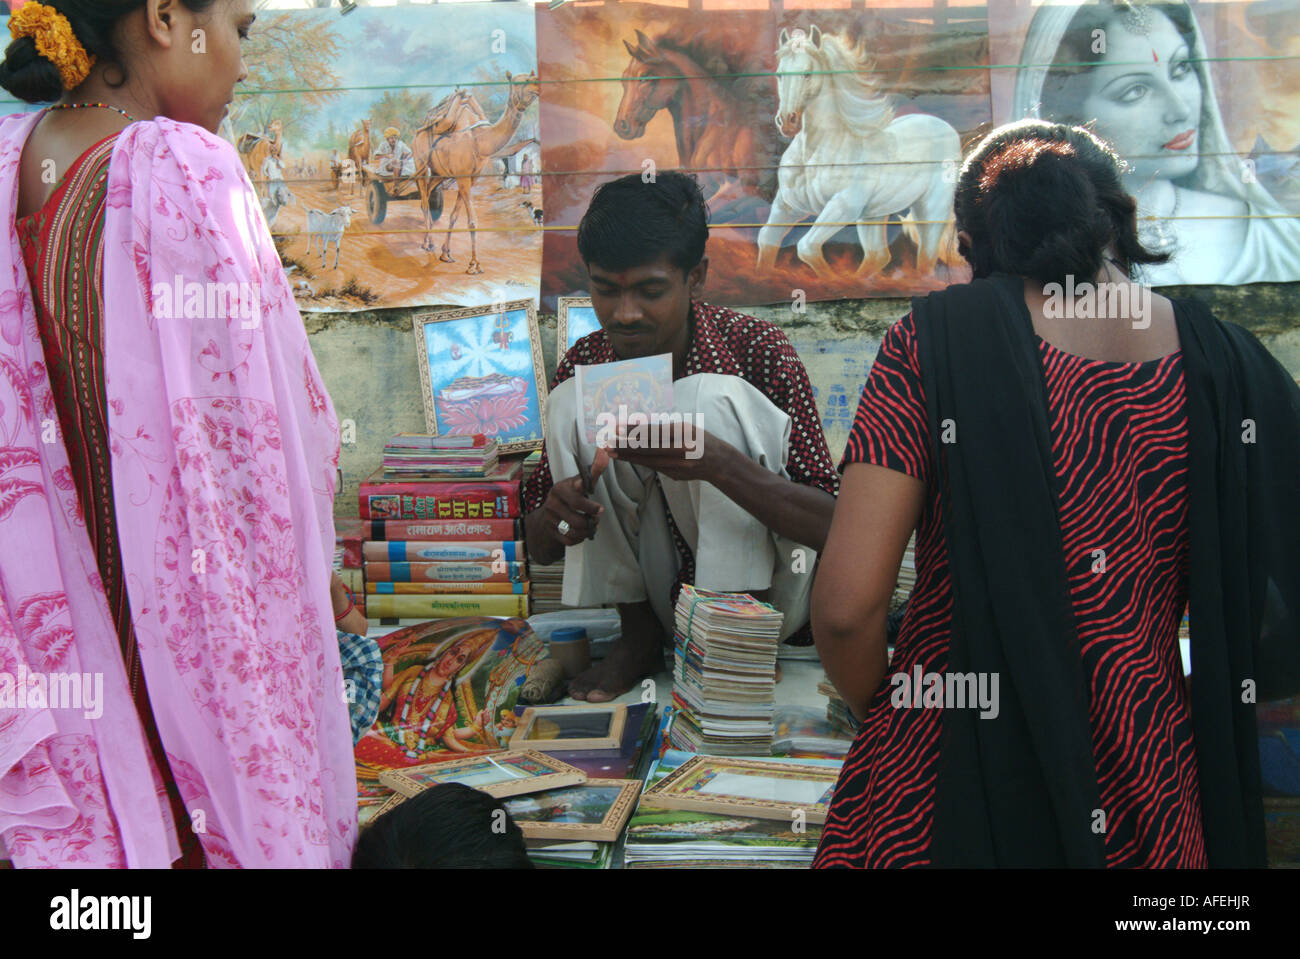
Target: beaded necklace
(78, 106)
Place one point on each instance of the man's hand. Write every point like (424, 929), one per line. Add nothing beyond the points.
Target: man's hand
(567, 502)
(692, 454)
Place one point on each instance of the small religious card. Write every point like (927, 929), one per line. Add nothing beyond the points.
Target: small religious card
(497, 774)
(759, 789)
(554, 728)
(596, 810)
(617, 396)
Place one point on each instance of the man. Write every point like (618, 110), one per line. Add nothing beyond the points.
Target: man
(395, 157)
(739, 501)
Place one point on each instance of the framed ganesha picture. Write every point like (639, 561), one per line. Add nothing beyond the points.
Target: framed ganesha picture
(481, 372)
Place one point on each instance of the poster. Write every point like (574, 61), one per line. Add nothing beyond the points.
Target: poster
(396, 152)
(835, 179)
(1203, 103)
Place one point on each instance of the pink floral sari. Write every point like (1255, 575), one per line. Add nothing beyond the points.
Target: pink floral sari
(224, 447)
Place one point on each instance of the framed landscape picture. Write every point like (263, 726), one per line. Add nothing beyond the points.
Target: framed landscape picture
(747, 787)
(553, 728)
(576, 318)
(481, 372)
(497, 774)
(596, 810)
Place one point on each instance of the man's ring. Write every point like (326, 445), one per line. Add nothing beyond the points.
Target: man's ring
(563, 527)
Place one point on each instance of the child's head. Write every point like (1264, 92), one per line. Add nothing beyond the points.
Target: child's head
(446, 827)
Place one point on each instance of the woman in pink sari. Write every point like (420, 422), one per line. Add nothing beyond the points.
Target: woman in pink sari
(168, 456)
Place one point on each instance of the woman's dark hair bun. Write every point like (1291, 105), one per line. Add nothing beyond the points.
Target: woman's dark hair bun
(1046, 201)
(28, 75)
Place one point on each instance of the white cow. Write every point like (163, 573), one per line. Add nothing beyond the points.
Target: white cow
(329, 228)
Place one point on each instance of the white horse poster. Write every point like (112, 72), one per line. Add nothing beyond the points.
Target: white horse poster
(826, 142)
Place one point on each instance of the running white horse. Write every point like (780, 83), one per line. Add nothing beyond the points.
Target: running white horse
(852, 161)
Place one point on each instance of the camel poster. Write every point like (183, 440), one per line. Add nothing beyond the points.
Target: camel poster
(835, 178)
(1202, 101)
(396, 152)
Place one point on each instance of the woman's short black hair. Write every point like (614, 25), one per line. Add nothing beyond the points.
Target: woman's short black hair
(631, 222)
(450, 826)
(33, 79)
(1046, 200)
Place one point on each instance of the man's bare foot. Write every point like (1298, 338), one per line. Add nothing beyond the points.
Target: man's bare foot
(637, 653)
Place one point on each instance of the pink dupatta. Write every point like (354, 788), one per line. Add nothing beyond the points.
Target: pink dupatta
(224, 449)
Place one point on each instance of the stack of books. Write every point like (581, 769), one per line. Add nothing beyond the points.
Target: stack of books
(724, 673)
(443, 540)
(441, 457)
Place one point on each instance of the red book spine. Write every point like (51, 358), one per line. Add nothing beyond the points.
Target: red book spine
(443, 501)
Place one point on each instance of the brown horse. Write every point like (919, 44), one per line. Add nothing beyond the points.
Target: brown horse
(359, 148)
(463, 155)
(721, 127)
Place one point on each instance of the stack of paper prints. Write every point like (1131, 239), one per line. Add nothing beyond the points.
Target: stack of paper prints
(724, 673)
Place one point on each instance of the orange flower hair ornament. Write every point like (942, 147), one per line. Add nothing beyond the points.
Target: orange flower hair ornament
(55, 40)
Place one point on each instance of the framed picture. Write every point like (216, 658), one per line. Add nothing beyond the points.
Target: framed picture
(552, 728)
(497, 774)
(481, 372)
(393, 801)
(746, 787)
(597, 810)
(576, 318)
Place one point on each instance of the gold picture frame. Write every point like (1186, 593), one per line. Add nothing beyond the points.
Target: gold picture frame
(573, 319)
(500, 774)
(532, 732)
(756, 788)
(474, 352)
(601, 808)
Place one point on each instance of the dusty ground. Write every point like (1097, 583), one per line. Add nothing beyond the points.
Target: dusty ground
(383, 266)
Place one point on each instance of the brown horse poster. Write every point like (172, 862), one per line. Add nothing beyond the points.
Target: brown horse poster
(826, 141)
(389, 149)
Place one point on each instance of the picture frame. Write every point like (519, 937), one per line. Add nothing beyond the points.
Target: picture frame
(566, 728)
(756, 788)
(575, 318)
(595, 811)
(501, 774)
(481, 371)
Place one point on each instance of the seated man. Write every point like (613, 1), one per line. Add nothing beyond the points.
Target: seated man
(394, 157)
(741, 502)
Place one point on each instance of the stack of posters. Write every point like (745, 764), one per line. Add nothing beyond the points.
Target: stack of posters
(424, 456)
(547, 586)
(661, 837)
(724, 673)
(906, 576)
(806, 731)
(838, 715)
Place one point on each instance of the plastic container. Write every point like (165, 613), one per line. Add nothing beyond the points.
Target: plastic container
(572, 649)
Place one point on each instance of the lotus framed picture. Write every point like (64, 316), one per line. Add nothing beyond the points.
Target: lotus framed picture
(755, 788)
(562, 728)
(481, 371)
(497, 774)
(596, 810)
(575, 319)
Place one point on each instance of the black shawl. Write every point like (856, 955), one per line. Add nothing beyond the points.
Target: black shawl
(1021, 789)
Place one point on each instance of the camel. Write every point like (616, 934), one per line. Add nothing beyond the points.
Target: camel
(359, 149)
(463, 155)
(255, 148)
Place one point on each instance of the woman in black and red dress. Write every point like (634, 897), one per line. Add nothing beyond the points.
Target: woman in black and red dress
(1075, 471)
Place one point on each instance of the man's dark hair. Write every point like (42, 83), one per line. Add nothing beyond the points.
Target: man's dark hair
(631, 223)
(445, 827)
(1045, 200)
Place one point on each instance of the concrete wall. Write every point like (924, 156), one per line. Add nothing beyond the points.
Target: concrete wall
(368, 360)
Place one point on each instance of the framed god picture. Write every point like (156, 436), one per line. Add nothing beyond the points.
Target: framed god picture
(756, 788)
(497, 774)
(596, 810)
(556, 728)
(575, 319)
(481, 372)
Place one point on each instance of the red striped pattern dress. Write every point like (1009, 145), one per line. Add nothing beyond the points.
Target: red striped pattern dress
(1119, 447)
(62, 246)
